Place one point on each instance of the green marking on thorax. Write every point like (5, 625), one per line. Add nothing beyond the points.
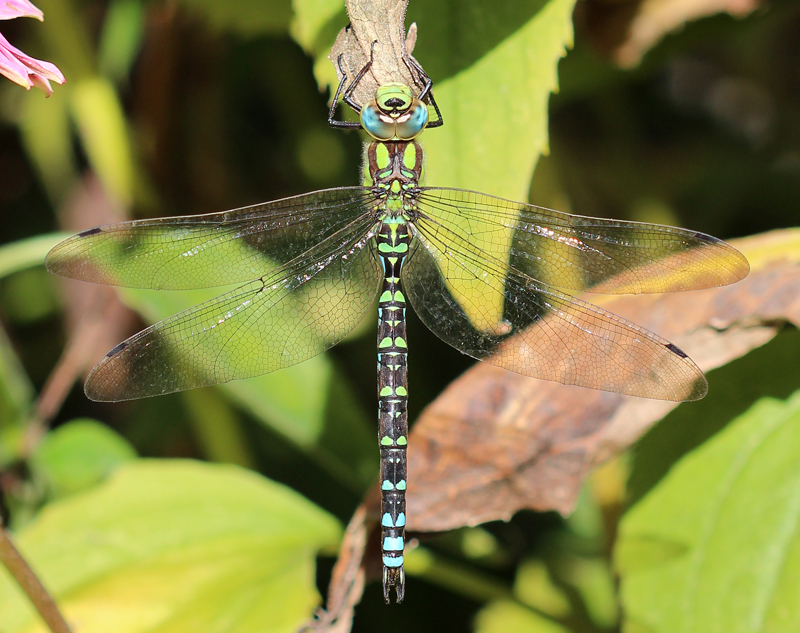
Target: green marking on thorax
(410, 156)
(382, 156)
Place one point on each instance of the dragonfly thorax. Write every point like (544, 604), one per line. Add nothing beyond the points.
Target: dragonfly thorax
(394, 114)
(394, 170)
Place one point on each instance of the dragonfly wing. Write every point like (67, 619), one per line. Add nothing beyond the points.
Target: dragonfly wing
(583, 253)
(279, 320)
(204, 251)
(542, 333)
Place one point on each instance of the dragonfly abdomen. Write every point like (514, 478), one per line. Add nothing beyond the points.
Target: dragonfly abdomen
(392, 241)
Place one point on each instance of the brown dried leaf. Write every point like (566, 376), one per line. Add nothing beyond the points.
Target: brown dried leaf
(381, 22)
(626, 29)
(347, 580)
(496, 442)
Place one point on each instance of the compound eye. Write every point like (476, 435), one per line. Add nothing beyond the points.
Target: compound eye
(411, 124)
(378, 125)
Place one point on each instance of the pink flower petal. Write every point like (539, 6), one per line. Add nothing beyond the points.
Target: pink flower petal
(26, 70)
(11, 68)
(10, 9)
(42, 84)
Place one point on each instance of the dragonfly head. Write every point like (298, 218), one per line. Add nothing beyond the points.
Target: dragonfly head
(394, 114)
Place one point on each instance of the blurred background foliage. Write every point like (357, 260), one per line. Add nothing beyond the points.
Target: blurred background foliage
(196, 106)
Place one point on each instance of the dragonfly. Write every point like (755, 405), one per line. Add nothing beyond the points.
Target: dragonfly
(312, 266)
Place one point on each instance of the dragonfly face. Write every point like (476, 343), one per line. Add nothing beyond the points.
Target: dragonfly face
(394, 115)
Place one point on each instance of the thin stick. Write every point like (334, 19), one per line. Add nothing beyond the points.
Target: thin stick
(31, 585)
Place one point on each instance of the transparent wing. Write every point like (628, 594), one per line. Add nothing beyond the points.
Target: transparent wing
(204, 251)
(542, 333)
(582, 253)
(279, 320)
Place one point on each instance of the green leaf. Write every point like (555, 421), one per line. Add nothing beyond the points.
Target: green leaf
(103, 129)
(493, 67)
(28, 296)
(715, 545)
(23, 254)
(218, 428)
(503, 616)
(47, 135)
(535, 587)
(593, 580)
(316, 23)
(78, 455)
(16, 401)
(121, 38)
(176, 546)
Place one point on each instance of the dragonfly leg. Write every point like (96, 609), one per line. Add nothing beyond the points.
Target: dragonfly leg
(347, 97)
(427, 92)
(347, 125)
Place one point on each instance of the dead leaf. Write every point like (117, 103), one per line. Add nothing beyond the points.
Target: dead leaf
(381, 22)
(347, 580)
(496, 442)
(626, 29)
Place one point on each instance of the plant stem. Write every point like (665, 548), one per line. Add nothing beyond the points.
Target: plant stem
(30, 584)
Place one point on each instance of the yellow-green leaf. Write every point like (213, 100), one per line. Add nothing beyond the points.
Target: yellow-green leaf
(78, 455)
(715, 546)
(503, 616)
(173, 546)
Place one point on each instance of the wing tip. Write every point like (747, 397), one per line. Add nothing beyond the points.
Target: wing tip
(699, 390)
(53, 259)
(742, 269)
(738, 266)
(61, 259)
